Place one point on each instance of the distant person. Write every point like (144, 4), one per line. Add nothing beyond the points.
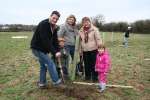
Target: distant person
(102, 66)
(68, 31)
(45, 41)
(90, 39)
(126, 36)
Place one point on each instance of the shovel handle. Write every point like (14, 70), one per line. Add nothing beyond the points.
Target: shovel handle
(61, 70)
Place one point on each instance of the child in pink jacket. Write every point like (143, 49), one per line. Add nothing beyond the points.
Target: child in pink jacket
(102, 66)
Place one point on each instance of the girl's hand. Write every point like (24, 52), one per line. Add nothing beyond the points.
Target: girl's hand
(97, 70)
(105, 73)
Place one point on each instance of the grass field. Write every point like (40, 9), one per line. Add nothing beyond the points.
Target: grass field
(19, 72)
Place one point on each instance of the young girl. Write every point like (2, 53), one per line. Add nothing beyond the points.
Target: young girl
(102, 66)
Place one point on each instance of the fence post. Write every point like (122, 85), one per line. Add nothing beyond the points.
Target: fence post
(103, 37)
(112, 36)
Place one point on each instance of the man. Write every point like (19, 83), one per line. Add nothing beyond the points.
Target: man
(45, 41)
(126, 36)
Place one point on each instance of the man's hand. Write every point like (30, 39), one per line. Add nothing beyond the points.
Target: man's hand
(58, 54)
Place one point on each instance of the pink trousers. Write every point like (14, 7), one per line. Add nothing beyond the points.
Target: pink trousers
(102, 77)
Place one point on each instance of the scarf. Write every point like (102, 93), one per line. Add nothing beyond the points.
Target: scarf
(86, 31)
(70, 28)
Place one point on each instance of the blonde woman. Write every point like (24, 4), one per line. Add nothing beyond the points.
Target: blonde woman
(68, 31)
(89, 41)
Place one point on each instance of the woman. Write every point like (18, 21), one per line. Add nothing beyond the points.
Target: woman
(68, 31)
(90, 40)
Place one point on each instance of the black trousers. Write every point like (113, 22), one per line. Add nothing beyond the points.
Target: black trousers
(89, 58)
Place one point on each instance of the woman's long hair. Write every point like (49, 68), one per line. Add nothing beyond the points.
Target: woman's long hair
(71, 16)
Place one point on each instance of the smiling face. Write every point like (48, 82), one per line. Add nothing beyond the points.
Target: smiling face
(86, 24)
(53, 19)
(71, 21)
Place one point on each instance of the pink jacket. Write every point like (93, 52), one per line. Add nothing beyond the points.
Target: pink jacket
(102, 62)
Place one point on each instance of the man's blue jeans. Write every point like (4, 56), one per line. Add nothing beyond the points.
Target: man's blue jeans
(46, 63)
(125, 42)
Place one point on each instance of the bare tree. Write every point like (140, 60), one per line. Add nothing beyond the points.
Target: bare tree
(98, 20)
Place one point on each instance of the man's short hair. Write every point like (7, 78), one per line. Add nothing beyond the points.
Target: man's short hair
(56, 13)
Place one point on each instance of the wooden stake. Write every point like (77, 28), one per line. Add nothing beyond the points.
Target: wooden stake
(147, 59)
(103, 37)
(112, 36)
(96, 84)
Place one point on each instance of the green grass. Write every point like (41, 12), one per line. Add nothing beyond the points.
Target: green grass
(19, 72)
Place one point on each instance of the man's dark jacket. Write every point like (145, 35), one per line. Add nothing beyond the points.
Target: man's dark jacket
(43, 39)
(127, 33)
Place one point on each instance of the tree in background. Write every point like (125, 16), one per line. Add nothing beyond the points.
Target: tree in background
(141, 26)
(98, 21)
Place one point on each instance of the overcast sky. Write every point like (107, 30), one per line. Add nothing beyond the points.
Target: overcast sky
(33, 11)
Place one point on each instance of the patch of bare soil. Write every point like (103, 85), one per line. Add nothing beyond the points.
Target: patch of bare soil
(76, 91)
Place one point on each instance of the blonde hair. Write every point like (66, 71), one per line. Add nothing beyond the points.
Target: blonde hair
(85, 19)
(72, 16)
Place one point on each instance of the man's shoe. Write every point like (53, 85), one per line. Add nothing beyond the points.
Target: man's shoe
(57, 82)
(61, 86)
(42, 86)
